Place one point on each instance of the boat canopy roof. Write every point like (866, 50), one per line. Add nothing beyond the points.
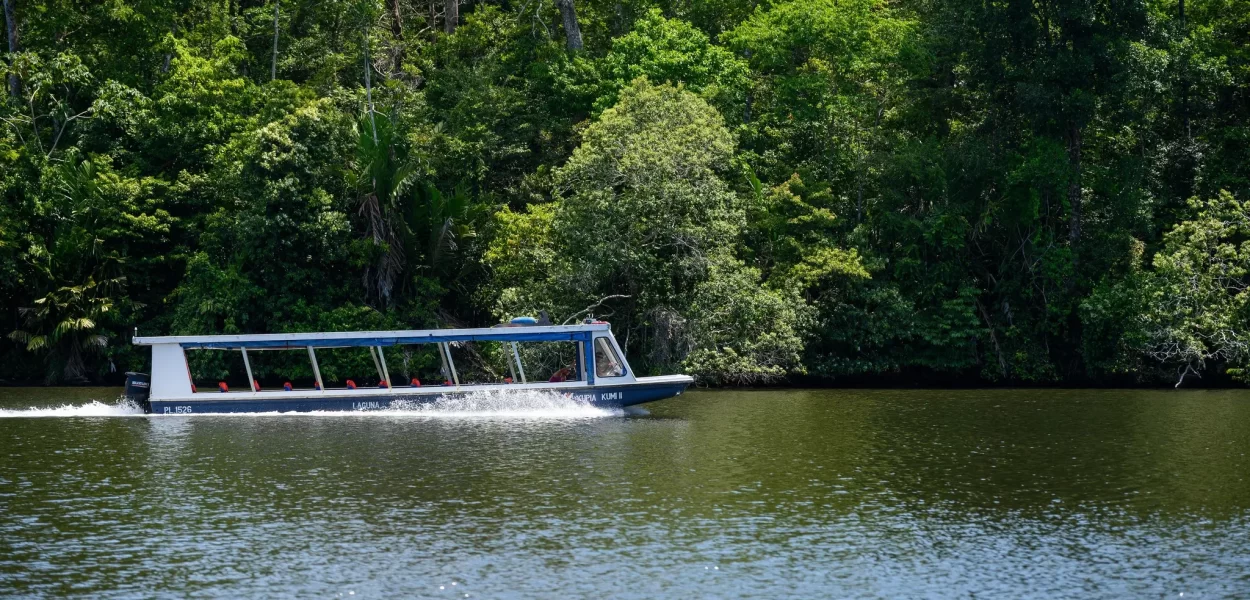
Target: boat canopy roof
(505, 333)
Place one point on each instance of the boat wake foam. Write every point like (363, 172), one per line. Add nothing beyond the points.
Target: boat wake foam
(504, 403)
(94, 408)
(509, 404)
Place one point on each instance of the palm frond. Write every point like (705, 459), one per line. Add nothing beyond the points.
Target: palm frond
(37, 343)
(95, 342)
(63, 327)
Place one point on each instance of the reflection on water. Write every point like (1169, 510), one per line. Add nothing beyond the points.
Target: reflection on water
(717, 494)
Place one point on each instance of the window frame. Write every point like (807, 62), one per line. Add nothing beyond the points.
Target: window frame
(613, 356)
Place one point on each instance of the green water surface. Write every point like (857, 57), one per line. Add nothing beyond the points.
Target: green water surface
(764, 494)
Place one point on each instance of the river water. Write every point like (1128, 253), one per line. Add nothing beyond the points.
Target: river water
(766, 494)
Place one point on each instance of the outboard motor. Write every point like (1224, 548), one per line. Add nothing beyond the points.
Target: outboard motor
(138, 386)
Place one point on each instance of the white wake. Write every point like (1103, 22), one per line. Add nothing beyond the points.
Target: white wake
(504, 403)
(500, 404)
(94, 408)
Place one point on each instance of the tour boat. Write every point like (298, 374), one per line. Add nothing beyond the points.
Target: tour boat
(597, 373)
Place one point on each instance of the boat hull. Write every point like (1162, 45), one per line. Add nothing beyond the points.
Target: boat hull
(605, 396)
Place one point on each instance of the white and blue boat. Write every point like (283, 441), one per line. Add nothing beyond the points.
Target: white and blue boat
(599, 373)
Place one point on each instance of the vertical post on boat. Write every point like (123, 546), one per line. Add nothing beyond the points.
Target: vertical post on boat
(442, 356)
(386, 374)
(579, 362)
(455, 377)
(373, 352)
(588, 361)
(512, 368)
(248, 365)
(316, 369)
(517, 355)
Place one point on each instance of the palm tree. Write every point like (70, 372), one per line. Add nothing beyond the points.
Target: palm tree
(80, 271)
(382, 174)
(443, 222)
(425, 229)
(66, 323)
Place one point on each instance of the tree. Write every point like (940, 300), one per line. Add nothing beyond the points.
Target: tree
(572, 30)
(397, 32)
(382, 176)
(742, 332)
(441, 226)
(273, 65)
(451, 18)
(644, 228)
(672, 51)
(77, 254)
(979, 191)
(828, 77)
(68, 325)
(10, 29)
(1199, 292)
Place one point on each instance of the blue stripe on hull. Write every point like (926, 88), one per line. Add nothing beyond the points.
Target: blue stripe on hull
(617, 396)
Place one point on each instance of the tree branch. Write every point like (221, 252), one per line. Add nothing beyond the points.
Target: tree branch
(597, 304)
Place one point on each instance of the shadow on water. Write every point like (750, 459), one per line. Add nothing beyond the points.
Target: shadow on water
(750, 494)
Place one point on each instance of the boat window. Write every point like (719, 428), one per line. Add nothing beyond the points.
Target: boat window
(209, 367)
(416, 362)
(552, 362)
(607, 363)
(272, 368)
(356, 363)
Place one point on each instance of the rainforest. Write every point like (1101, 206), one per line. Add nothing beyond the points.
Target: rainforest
(973, 192)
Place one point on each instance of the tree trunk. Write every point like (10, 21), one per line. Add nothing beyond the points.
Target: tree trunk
(273, 66)
(989, 326)
(397, 30)
(1074, 185)
(173, 31)
(10, 19)
(233, 10)
(1185, 80)
(859, 196)
(572, 31)
(746, 114)
(397, 19)
(452, 16)
(369, 88)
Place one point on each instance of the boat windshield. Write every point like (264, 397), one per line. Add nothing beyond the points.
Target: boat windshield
(607, 363)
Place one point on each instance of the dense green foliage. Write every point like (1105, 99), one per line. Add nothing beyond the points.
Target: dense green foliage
(1049, 191)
